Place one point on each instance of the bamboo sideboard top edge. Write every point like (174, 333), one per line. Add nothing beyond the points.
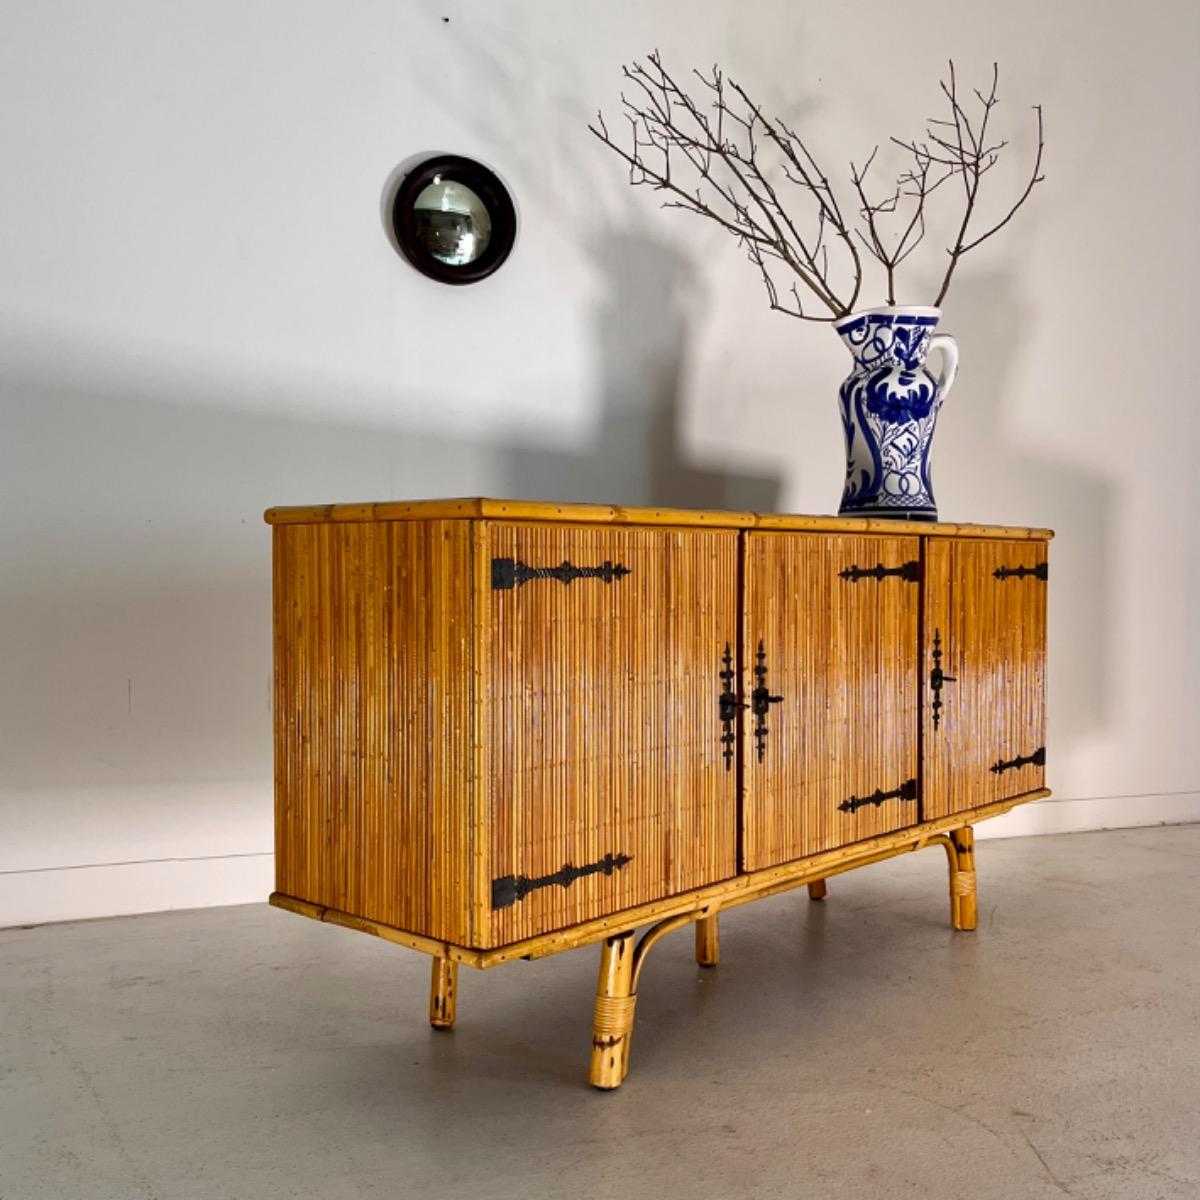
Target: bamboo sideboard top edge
(483, 508)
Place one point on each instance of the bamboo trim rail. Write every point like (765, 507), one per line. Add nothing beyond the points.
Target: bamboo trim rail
(607, 514)
(707, 900)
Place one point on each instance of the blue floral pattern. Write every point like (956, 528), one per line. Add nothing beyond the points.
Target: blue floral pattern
(889, 407)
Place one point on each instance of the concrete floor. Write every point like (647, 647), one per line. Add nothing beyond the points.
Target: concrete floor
(853, 1049)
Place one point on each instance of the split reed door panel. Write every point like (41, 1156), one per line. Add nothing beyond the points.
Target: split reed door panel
(606, 779)
(985, 650)
(831, 670)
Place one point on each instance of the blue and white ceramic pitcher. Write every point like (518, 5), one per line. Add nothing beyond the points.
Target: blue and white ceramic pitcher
(890, 405)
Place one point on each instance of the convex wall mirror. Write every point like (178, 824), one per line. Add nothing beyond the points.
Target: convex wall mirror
(454, 220)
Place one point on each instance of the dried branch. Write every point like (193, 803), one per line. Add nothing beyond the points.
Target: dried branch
(913, 187)
(718, 161)
(722, 159)
(969, 155)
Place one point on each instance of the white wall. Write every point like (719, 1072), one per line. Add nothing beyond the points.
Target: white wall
(200, 316)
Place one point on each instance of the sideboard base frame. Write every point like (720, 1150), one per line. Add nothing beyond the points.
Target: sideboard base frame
(622, 958)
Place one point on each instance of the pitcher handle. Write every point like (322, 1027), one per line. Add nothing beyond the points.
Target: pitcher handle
(949, 348)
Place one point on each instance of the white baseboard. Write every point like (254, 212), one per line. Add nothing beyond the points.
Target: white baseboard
(70, 853)
(119, 889)
(1101, 812)
(34, 897)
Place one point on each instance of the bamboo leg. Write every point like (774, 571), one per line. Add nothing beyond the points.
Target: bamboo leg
(964, 906)
(615, 1004)
(708, 941)
(816, 889)
(443, 993)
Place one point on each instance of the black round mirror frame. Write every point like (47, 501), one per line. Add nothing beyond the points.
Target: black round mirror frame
(486, 185)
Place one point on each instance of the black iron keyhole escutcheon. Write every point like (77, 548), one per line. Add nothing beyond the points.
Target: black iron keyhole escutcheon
(760, 703)
(727, 708)
(938, 679)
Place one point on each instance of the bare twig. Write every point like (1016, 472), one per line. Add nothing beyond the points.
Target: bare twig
(721, 158)
(968, 154)
(712, 161)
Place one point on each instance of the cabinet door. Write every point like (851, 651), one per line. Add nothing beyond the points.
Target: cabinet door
(608, 781)
(985, 661)
(830, 642)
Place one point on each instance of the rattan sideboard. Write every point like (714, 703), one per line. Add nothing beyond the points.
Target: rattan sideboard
(505, 729)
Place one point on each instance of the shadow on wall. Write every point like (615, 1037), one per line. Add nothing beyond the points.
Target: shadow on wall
(136, 586)
(138, 568)
(1007, 482)
(649, 286)
(136, 589)
(642, 339)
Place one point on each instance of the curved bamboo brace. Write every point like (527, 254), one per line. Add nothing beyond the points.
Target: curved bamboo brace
(943, 839)
(617, 1016)
(654, 933)
(621, 961)
(616, 997)
(960, 851)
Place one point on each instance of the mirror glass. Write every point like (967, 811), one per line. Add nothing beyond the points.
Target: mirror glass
(452, 222)
(453, 219)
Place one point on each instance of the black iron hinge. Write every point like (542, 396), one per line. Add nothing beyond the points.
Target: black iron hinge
(1041, 571)
(760, 702)
(910, 572)
(728, 706)
(509, 889)
(510, 573)
(938, 678)
(906, 791)
(1036, 759)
